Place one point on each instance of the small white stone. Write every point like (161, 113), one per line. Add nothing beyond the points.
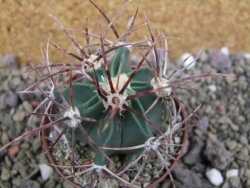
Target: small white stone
(212, 88)
(247, 55)
(215, 177)
(188, 60)
(177, 140)
(232, 173)
(225, 51)
(46, 171)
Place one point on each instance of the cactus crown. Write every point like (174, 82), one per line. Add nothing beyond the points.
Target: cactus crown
(123, 118)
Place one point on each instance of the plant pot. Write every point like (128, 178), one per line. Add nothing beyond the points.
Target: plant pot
(52, 160)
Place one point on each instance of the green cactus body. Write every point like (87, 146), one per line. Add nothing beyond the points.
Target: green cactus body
(131, 130)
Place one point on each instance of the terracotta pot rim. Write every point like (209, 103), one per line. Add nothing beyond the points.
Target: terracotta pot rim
(152, 185)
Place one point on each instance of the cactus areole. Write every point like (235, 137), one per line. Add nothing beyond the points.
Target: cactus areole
(116, 125)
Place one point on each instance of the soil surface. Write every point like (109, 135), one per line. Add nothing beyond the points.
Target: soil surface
(219, 139)
(25, 25)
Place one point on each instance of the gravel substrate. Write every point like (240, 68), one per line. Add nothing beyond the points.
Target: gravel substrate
(218, 147)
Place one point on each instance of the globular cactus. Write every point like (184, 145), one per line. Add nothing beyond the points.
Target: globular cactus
(110, 102)
(125, 110)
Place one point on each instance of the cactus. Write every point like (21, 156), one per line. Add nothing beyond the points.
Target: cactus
(107, 101)
(116, 125)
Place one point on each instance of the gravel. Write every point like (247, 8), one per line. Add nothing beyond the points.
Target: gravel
(223, 128)
(219, 139)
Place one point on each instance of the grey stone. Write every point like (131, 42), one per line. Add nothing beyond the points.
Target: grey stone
(186, 177)
(239, 70)
(226, 185)
(224, 120)
(19, 115)
(4, 138)
(235, 182)
(5, 174)
(216, 153)
(36, 144)
(50, 184)
(167, 184)
(7, 161)
(231, 144)
(30, 184)
(13, 172)
(10, 60)
(66, 185)
(247, 173)
(204, 57)
(14, 82)
(27, 106)
(198, 167)
(203, 124)
(219, 60)
(11, 98)
(248, 183)
(3, 104)
(7, 122)
(243, 154)
(17, 181)
(234, 127)
(243, 140)
(194, 153)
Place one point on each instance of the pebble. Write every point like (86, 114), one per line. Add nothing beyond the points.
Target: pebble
(46, 171)
(243, 140)
(27, 106)
(216, 153)
(7, 121)
(10, 60)
(188, 60)
(30, 184)
(186, 177)
(224, 120)
(50, 184)
(203, 124)
(212, 88)
(36, 145)
(13, 150)
(5, 174)
(203, 57)
(225, 185)
(234, 127)
(3, 104)
(247, 55)
(11, 99)
(109, 183)
(17, 181)
(235, 182)
(243, 154)
(232, 173)
(231, 144)
(4, 138)
(215, 177)
(19, 115)
(225, 51)
(220, 60)
(7, 161)
(247, 173)
(194, 152)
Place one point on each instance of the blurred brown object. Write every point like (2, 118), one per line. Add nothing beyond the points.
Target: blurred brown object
(25, 25)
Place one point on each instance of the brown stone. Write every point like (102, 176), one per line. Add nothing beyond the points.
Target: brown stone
(13, 151)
